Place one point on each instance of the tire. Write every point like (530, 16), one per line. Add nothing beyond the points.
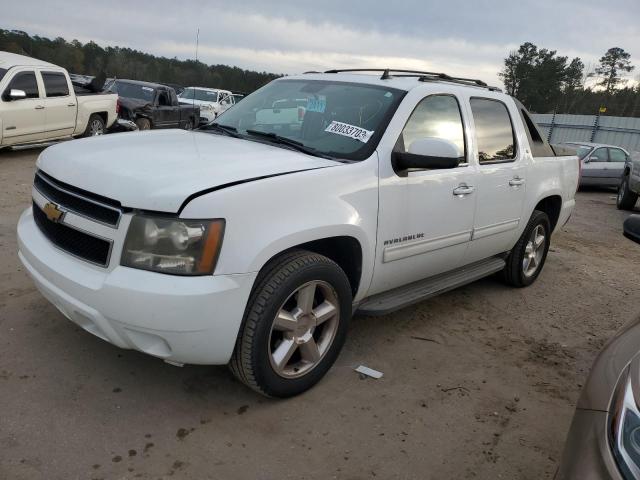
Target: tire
(262, 342)
(95, 126)
(519, 272)
(143, 124)
(626, 199)
(188, 125)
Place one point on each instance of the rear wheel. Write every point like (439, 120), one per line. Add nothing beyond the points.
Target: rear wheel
(143, 124)
(526, 259)
(294, 326)
(95, 126)
(188, 125)
(626, 199)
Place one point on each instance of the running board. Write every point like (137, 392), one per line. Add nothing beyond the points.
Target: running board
(401, 297)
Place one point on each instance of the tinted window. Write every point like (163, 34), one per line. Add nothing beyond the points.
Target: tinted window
(539, 146)
(2, 72)
(25, 81)
(617, 155)
(163, 98)
(437, 116)
(494, 132)
(55, 84)
(600, 155)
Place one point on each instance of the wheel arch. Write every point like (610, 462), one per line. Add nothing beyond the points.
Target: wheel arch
(344, 250)
(551, 205)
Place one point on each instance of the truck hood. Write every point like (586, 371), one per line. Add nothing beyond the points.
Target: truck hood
(159, 170)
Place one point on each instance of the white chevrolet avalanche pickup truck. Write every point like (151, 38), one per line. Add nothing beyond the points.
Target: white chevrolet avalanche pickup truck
(251, 242)
(38, 104)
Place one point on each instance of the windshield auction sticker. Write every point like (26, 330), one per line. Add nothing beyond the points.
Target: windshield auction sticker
(350, 131)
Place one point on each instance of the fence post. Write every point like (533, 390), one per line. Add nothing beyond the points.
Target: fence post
(594, 129)
(553, 119)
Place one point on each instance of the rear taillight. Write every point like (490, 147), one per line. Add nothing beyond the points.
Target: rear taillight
(579, 172)
(118, 106)
(301, 111)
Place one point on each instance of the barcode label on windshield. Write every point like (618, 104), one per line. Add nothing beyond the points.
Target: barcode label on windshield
(350, 131)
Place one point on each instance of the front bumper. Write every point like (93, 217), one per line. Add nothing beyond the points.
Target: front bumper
(180, 319)
(587, 455)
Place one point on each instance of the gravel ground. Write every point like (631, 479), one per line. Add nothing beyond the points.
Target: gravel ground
(478, 383)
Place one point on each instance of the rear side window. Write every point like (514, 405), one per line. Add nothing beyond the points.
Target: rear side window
(539, 147)
(55, 84)
(437, 116)
(494, 132)
(25, 81)
(617, 155)
(2, 72)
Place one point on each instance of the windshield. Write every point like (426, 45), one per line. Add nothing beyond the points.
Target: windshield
(338, 119)
(2, 72)
(197, 94)
(132, 90)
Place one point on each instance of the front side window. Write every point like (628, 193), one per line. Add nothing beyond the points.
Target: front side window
(617, 155)
(338, 119)
(437, 116)
(600, 155)
(25, 81)
(494, 132)
(55, 84)
(583, 151)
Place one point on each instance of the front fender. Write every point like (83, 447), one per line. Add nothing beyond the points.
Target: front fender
(268, 216)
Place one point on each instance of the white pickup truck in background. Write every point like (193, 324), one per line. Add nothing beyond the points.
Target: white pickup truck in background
(251, 241)
(38, 104)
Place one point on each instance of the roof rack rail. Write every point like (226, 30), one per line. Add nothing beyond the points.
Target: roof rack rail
(388, 73)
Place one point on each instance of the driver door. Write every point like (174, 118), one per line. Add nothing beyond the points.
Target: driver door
(23, 119)
(425, 216)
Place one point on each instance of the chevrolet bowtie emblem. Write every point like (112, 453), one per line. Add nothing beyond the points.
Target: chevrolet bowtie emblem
(52, 212)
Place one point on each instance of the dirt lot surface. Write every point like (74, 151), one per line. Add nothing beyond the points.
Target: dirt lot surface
(478, 383)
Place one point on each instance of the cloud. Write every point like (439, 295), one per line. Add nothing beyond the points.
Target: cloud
(289, 36)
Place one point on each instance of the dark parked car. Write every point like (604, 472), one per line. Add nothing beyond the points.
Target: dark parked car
(152, 105)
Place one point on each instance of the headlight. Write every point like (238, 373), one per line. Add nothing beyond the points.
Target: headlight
(624, 428)
(171, 245)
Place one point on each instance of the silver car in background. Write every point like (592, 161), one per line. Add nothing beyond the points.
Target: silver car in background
(602, 165)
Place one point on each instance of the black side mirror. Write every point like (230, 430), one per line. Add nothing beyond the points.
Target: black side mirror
(631, 228)
(405, 160)
(428, 153)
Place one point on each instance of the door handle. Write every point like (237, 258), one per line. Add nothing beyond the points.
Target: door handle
(71, 104)
(516, 181)
(39, 107)
(463, 189)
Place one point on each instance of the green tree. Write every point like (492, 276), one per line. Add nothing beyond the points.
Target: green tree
(612, 66)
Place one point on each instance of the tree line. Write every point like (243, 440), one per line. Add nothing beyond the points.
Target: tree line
(546, 82)
(92, 59)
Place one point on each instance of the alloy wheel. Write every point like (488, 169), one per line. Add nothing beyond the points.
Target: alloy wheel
(304, 329)
(533, 251)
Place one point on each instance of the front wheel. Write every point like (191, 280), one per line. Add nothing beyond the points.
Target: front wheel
(188, 125)
(294, 326)
(143, 124)
(626, 199)
(526, 259)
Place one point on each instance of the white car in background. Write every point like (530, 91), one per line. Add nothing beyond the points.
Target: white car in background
(212, 102)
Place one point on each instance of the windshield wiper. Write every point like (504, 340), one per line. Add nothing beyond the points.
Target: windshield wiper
(226, 129)
(299, 146)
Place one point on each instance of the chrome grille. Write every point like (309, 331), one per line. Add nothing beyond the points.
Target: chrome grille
(94, 207)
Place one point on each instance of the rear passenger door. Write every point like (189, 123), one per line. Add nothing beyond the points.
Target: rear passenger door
(617, 160)
(60, 105)
(23, 120)
(501, 178)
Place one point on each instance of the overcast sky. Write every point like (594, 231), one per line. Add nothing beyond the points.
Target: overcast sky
(467, 38)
